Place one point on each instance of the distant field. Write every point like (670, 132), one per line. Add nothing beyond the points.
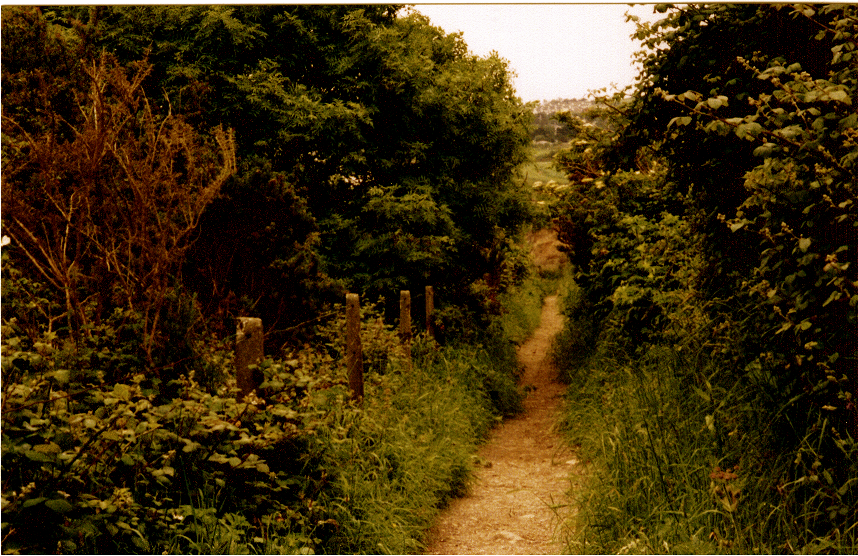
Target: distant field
(545, 151)
(541, 169)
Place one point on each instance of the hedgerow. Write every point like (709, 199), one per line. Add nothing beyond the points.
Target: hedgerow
(714, 234)
(157, 184)
(96, 461)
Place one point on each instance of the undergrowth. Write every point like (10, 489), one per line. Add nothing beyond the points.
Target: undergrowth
(684, 454)
(523, 305)
(681, 462)
(102, 453)
(710, 347)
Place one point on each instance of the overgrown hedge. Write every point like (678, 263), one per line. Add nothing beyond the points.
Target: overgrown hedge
(99, 455)
(713, 229)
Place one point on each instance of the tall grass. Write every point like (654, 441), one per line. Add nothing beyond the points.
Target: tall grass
(394, 462)
(681, 461)
(522, 307)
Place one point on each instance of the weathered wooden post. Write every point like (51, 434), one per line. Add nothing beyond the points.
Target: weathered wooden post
(248, 351)
(354, 351)
(430, 309)
(405, 324)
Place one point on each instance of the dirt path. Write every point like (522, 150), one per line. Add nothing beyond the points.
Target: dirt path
(519, 493)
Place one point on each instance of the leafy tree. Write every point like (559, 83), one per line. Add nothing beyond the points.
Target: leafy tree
(372, 117)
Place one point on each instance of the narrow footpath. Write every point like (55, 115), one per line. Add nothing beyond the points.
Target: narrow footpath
(518, 502)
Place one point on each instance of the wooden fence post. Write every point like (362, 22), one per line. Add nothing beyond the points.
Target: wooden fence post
(248, 351)
(405, 323)
(430, 309)
(354, 350)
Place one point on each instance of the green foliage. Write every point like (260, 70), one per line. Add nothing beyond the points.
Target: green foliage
(370, 151)
(101, 455)
(375, 120)
(716, 286)
(96, 466)
(789, 111)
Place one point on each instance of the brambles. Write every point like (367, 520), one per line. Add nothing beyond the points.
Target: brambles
(723, 285)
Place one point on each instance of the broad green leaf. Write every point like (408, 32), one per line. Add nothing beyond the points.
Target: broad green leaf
(40, 456)
(122, 391)
(840, 96)
(848, 122)
(680, 120)
(765, 150)
(59, 505)
(50, 448)
(748, 130)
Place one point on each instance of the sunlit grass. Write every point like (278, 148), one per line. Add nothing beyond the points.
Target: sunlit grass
(543, 172)
(542, 168)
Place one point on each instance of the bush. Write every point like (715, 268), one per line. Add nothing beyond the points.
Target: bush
(121, 461)
(96, 465)
(713, 264)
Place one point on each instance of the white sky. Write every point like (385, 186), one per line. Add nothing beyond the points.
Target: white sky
(556, 50)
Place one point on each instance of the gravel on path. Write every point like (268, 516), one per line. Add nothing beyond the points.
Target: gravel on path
(518, 502)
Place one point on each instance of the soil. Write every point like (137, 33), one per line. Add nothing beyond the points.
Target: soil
(518, 502)
(544, 247)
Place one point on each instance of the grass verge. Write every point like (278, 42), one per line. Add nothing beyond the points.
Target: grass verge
(128, 464)
(680, 459)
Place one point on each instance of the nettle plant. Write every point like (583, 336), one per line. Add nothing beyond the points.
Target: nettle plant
(102, 452)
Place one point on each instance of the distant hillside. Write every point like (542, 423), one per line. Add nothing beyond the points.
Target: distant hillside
(573, 105)
(545, 127)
